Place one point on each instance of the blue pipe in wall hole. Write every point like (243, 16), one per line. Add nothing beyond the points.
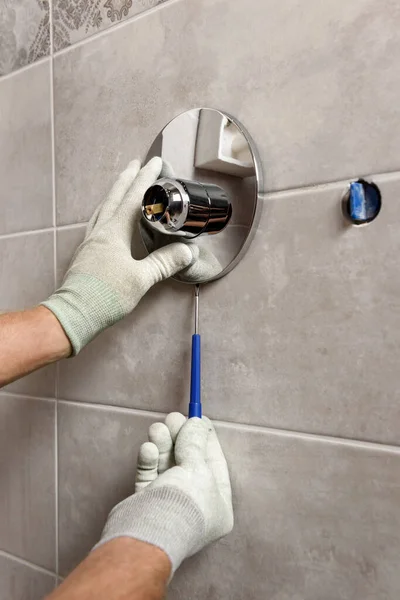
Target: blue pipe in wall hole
(363, 202)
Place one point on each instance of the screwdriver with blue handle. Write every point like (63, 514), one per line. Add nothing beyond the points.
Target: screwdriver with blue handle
(195, 381)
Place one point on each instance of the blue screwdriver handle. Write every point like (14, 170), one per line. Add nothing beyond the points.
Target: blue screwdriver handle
(195, 382)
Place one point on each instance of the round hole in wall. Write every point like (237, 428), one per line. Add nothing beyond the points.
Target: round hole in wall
(362, 202)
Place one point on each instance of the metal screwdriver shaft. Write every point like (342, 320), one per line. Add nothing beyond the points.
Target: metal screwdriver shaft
(195, 382)
(196, 308)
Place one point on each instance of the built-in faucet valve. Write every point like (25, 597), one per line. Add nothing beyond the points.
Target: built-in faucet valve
(186, 208)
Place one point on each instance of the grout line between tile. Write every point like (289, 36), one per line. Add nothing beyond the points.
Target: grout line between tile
(120, 25)
(315, 437)
(290, 433)
(51, 26)
(56, 504)
(27, 563)
(53, 155)
(255, 428)
(55, 257)
(72, 226)
(54, 204)
(343, 182)
(17, 234)
(119, 409)
(20, 70)
(273, 195)
(4, 392)
(55, 228)
(229, 424)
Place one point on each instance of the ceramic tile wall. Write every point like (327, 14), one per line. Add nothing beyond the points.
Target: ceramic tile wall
(25, 148)
(71, 24)
(33, 29)
(24, 33)
(21, 581)
(300, 342)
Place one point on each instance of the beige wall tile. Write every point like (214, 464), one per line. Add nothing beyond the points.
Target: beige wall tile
(310, 513)
(299, 78)
(90, 484)
(26, 270)
(25, 149)
(21, 582)
(24, 33)
(40, 383)
(71, 24)
(67, 242)
(27, 479)
(300, 336)
(314, 519)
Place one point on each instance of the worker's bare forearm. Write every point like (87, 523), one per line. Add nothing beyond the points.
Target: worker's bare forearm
(123, 569)
(30, 339)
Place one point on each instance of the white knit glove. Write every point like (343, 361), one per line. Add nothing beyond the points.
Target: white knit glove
(183, 498)
(104, 283)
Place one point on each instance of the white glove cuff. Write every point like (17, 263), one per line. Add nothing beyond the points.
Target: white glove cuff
(164, 517)
(84, 307)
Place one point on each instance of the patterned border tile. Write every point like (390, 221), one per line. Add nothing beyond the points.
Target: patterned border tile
(74, 20)
(24, 33)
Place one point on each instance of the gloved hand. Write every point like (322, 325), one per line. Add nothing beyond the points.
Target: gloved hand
(205, 267)
(183, 498)
(104, 283)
